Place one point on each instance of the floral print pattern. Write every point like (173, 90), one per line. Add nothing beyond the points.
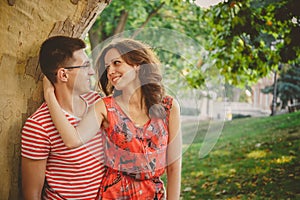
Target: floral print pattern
(135, 156)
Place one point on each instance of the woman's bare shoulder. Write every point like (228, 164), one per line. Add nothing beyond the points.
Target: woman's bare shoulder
(100, 107)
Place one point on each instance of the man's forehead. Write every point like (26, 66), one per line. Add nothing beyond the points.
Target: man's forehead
(80, 55)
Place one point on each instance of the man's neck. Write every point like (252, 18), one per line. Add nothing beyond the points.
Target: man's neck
(71, 103)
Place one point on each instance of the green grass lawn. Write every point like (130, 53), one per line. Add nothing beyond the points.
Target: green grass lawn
(254, 158)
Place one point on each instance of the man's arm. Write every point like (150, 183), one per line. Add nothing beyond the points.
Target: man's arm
(33, 177)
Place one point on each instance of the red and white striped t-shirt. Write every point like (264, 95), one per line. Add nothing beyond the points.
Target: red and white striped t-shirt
(70, 173)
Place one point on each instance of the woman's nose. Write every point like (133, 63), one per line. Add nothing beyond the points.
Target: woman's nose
(111, 70)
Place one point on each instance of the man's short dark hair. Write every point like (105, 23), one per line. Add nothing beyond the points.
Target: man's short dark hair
(55, 52)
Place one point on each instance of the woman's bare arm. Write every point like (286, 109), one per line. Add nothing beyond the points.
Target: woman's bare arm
(174, 154)
(86, 129)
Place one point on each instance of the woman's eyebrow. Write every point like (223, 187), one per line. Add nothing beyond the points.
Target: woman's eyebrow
(112, 60)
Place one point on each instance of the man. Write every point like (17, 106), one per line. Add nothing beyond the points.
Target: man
(49, 169)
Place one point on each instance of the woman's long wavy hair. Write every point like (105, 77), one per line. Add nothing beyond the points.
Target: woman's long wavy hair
(136, 53)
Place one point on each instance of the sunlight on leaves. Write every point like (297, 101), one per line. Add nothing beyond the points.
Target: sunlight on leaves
(259, 170)
(217, 172)
(220, 153)
(238, 185)
(197, 174)
(232, 171)
(224, 171)
(283, 159)
(257, 154)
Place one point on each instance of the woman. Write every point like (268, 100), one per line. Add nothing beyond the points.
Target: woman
(141, 124)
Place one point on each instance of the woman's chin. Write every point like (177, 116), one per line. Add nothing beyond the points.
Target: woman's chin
(118, 87)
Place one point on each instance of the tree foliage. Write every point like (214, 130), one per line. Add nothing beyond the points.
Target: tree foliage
(122, 15)
(249, 38)
(180, 58)
(288, 85)
(245, 39)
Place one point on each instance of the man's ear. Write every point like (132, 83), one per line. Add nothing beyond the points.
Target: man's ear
(62, 75)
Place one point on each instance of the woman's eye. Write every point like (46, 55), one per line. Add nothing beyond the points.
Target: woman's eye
(117, 62)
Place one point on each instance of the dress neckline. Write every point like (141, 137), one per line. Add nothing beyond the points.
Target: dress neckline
(138, 126)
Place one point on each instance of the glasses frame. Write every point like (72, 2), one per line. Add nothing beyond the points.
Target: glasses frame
(79, 66)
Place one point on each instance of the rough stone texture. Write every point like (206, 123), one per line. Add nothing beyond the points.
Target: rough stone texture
(24, 25)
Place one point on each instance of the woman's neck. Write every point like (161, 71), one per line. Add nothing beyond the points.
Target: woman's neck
(132, 98)
(133, 105)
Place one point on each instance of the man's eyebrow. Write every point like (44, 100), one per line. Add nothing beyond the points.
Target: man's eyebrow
(86, 62)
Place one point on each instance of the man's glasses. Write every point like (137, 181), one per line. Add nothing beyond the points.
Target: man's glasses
(88, 65)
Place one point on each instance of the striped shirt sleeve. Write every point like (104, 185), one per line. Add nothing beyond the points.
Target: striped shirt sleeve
(35, 140)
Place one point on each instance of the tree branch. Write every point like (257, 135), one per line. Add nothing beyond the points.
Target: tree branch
(151, 14)
(121, 25)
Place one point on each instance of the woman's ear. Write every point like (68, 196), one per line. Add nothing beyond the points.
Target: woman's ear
(62, 75)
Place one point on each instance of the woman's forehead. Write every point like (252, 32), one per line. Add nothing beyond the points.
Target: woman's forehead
(111, 55)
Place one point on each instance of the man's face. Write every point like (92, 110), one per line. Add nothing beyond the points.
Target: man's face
(81, 73)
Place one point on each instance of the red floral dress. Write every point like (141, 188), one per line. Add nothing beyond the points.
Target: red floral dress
(135, 156)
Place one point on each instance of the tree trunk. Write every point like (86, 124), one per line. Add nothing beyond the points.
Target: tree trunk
(94, 39)
(122, 22)
(24, 25)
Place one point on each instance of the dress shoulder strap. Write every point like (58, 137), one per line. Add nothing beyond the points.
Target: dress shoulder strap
(108, 101)
(167, 104)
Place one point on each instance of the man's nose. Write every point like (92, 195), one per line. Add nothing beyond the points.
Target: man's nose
(91, 71)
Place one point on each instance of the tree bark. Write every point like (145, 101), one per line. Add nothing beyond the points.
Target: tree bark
(24, 25)
(94, 39)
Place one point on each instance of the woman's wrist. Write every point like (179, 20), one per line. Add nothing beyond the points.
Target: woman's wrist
(48, 94)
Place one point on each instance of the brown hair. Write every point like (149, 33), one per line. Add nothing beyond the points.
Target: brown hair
(135, 53)
(55, 52)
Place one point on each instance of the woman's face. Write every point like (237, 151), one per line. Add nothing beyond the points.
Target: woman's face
(119, 73)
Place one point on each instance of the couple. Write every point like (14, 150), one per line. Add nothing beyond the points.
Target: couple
(124, 142)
